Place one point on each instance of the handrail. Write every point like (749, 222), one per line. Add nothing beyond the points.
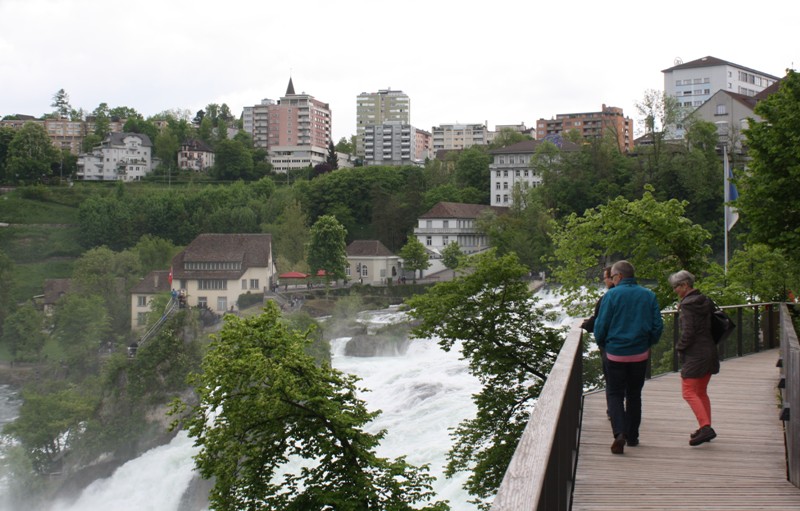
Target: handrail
(790, 393)
(169, 310)
(541, 473)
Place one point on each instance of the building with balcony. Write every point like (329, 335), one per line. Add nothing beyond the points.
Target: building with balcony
(693, 83)
(459, 136)
(609, 120)
(120, 157)
(376, 108)
(195, 155)
(392, 143)
(298, 132)
(255, 121)
(511, 168)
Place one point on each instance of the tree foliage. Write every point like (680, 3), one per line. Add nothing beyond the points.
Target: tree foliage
(767, 189)
(23, 333)
(31, 155)
(654, 236)
(327, 248)
(415, 257)
(451, 256)
(491, 315)
(263, 402)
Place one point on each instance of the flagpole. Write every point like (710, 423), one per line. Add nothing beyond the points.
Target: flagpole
(726, 187)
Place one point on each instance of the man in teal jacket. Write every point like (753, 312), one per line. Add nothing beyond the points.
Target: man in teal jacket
(628, 323)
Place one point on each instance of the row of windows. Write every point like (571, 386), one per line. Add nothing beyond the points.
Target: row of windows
(525, 173)
(212, 284)
(692, 81)
(754, 79)
(523, 159)
(525, 185)
(216, 265)
(697, 92)
(253, 284)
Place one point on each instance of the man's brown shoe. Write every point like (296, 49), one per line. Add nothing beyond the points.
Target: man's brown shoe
(618, 447)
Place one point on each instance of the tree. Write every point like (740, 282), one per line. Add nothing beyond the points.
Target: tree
(61, 104)
(654, 236)
(767, 201)
(414, 256)
(333, 158)
(82, 327)
(22, 333)
(507, 137)
(102, 121)
(233, 161)
(343, 146)
(6, 136)
(154, 253)
(30, 155)
(451, 256)
(262, 401)
(472, 170)
(291, 234)
(167, 145)
(6, 287)
(327, 249)
(494, 317)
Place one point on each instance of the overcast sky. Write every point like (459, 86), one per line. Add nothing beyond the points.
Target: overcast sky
(504, 62)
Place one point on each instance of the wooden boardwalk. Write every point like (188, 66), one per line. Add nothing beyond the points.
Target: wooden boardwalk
(744, 468)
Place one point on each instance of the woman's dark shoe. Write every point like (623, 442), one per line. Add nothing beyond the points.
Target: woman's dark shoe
(618, 447)
(633, 442)
(705, 434)
(695, 433)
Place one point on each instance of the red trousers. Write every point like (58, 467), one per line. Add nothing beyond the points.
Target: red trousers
(694, 393)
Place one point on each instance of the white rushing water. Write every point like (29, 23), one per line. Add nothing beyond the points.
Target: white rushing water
(422, 394)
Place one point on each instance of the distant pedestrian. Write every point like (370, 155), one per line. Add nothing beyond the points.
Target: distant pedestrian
(628, 323)
(697, 352)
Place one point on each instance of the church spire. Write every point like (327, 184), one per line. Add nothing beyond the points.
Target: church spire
(290, 88)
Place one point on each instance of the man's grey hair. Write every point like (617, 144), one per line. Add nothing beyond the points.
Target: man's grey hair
(624, 268)
(681, 277)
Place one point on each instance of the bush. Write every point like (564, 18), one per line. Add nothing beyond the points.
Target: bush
(248, 299)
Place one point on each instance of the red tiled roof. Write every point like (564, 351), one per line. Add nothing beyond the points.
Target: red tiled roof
(250, 250)
(156, 281)
(460, 210)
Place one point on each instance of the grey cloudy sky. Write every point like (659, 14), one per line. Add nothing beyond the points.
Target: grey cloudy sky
(501, 62)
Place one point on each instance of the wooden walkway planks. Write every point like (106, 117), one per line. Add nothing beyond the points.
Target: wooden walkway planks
(744, 468)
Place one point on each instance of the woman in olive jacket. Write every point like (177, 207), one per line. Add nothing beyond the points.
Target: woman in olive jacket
(696, 351)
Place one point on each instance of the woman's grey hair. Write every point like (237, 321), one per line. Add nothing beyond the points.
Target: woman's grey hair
(681, 277)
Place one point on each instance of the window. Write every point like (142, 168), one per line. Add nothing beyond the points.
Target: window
(254, 284)
(222, 303)
(505, 185)
(364, 270)
(428, 223)
(428, 241)
(497, 198)
(497, 185)
(141, 318)
(722, 109)
(445, 240)
(505, 199)
(497, 174)
(446, 224)
(142, 301)
(244, 284)
(212, 284)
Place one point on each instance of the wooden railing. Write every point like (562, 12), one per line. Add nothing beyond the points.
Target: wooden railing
(542, 471)
(790, 391)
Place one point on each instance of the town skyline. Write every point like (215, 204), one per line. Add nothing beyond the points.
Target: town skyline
(499, 67)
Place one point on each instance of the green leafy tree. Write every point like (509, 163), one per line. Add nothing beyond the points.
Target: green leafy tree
(502, 333)
(49, 423)
(291, 234)
(767, 200)
(415, 257)
(102, 121)
(233, 161)
(82, 327)
(6, 287)
(268, 402)
(451, 256)
(136, 124)
(343, 146)
(123, 112)
(22, 333)
(31, 155)
(759, 273)
(166, 145)
(205, 131)
(327, 249)
(6, 136)
(507, 137)
(154, 253)
(472, 170)
(654, 236)
(61, 104)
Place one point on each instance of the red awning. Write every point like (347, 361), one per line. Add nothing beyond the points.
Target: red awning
(292, 275)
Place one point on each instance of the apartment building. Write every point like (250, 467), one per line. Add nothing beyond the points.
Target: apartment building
(459, 136)
(376, 108)
(511, 168)
(120, 157)
(255, 121)
(195, 155)
(591, 125)
(693, 83)
(393, 143)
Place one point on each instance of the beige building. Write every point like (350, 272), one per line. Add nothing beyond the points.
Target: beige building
(376, 108)
(195, 155)
(370, 262)
(459, 136)
(591, 125)
(120, 157)
(216, 268)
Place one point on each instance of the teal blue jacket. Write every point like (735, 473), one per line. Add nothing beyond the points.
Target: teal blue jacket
(629, 320)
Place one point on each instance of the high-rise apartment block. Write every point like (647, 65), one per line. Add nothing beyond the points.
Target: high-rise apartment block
(590, 125)
(296, 130)
(394, 143)
(377, 108)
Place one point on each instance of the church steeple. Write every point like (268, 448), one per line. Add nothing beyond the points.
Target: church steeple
(290, 88)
